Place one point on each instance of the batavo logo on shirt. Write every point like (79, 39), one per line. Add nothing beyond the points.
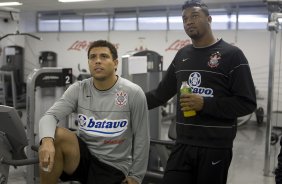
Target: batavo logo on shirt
(194, 81)
(102, 127)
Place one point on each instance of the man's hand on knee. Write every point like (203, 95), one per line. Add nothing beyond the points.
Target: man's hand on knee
(129, 180)
(46, 154)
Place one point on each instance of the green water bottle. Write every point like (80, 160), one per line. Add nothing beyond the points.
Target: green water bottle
(186, 89)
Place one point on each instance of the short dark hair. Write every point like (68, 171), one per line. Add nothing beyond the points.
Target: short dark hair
(196, 3)
(103, 43)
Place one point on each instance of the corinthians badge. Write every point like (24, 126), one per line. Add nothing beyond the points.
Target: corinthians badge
(213, 62)
(121, 98)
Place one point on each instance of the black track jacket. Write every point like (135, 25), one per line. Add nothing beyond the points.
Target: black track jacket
(221, 74)
(278, 171)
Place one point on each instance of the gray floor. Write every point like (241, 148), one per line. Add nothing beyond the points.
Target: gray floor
(247, 164)
(248, 156)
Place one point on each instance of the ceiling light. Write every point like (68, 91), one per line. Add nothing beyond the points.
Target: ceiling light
(70, 1)
(10, 4)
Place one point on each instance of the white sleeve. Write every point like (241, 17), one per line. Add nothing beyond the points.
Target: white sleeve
(141, 139)
(47, 126)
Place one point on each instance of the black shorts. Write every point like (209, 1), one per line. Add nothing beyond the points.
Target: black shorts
(91, 171)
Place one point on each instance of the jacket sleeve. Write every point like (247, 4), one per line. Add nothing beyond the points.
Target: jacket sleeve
(166, 89)
(60, 110)
(278, 170)
(242, 98)
(141, 136)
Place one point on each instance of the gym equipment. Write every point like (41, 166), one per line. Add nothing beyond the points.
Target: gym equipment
(82, 73)
(14, 63)
(48, 59)
(20, 34)
(3, 87)
(259, 115)
(162, 149)
(275, 13)
(45, 77)
(151, 70)
(13, 140)
(149, 65)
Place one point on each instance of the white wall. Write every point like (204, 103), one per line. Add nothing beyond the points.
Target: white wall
(72, 47)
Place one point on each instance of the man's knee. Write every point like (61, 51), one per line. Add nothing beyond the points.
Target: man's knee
(66, 143)
(63, 135)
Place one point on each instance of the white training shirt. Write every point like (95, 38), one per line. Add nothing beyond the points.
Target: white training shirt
(113, 123)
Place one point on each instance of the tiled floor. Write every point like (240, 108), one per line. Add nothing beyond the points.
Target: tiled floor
(247, 164)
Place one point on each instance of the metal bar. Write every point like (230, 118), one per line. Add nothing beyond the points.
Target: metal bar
(30, 95)
(3, 88)
(14, 92)
(269, 103)
(22, 162)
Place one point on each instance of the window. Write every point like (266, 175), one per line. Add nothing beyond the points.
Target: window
(252, 21)
(71, 22)
(149, 18)
(125, 20)
(152, 20)
(48, 22)
(220, 22)
(96, 23)
(251, 17)
(175, 19)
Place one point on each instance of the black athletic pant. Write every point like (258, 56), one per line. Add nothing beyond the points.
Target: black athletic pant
(197, 165)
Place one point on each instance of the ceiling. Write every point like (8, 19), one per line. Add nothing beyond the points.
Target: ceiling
(48, 5)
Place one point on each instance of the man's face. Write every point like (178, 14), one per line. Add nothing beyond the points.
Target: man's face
(101, 63)
(196, 22)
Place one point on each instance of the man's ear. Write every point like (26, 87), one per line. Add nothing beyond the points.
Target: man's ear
(116, 64)
(209, 19)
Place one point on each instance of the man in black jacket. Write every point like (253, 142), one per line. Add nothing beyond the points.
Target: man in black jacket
(222, 90)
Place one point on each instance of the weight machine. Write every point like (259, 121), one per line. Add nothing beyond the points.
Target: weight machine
(13, 140)
(12, 77)
(46, 77)
(145, 68)
(17, 148)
